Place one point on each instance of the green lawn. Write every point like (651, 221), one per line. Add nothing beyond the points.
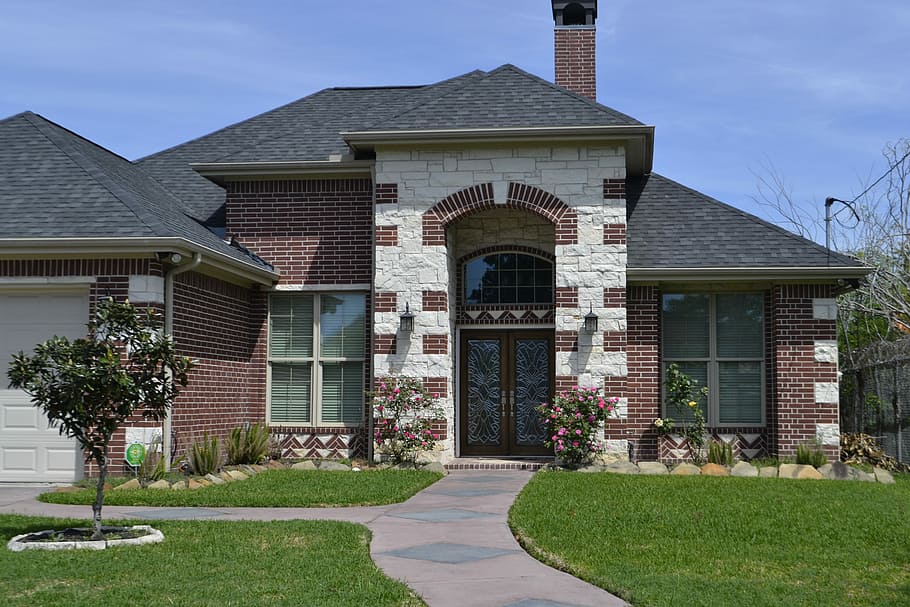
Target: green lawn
(275, 489)
(671, 541)
(214, 563)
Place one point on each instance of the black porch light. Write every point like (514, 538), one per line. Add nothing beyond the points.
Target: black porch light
(591, 321)
(407, 320)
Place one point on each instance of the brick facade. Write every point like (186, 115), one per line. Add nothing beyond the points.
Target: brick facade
(318, 234)
(315, 231)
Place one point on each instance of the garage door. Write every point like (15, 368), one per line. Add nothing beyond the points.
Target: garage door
(30, 451)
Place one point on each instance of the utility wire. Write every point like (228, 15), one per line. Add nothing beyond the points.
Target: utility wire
(877, 181)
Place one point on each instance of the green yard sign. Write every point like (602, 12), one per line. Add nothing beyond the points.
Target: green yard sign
(135, 453)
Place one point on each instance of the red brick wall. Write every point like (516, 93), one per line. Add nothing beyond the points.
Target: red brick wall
(217, 324)
(795, 332)
(316, 231)
(576, 67)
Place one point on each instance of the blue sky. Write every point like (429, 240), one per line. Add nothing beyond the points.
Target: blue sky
(814, 88)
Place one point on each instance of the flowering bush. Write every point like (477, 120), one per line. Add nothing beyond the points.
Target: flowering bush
(664, 425)
(683, 396)
(572, 418)
(404, 413)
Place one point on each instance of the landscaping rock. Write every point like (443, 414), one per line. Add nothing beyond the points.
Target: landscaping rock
(306, 465)
(714, 470)
(178, 485)
(259, 468)
(274, 464)
(837, 471)
(133, 483)
(799, 471)
(744, 469)
(862, 475)
(237, 475)
(768, 472)
(194, 484)
(883, 476)
(334, 466)
(592, 468)
(226, 477)
(686, 469)
(215, 480)
(162, 484)
(435, 467)
(248, 470)
(652, 468)
(621, 468)
(205, 482)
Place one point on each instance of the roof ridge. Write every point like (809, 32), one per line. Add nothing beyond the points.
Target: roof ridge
(753, 218)
(229, 126)
(418, 104)
(605, 109)
(99, 176)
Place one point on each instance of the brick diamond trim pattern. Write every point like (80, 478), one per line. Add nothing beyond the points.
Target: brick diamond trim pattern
(746, 444)
(321, 444)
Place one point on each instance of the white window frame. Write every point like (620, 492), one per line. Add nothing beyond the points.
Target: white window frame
(316, 362)
(712, 362)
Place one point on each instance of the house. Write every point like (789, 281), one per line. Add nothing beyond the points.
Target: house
(508, 214)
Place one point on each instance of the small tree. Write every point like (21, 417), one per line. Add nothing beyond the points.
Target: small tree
(90, 386)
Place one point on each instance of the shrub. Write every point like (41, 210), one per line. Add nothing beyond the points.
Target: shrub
(720, 453)
(404, 413)
(810, 455)
(683, 396)
(249, 445)
(206, 458)
(572, 418)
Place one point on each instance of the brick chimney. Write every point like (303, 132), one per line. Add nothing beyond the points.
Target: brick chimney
(574, 43)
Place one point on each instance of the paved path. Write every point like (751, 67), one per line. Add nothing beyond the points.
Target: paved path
(450, 543)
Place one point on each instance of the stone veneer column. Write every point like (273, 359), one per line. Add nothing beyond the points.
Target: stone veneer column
(805, 363)
(590, 261)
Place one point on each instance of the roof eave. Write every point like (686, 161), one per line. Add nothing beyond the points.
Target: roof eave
(223, 172)
(747, 274)
(639, 139)
(21, 248)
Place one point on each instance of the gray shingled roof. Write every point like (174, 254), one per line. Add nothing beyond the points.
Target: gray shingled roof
(309, 128)
(56, 184)
(672, 226)
(506, 97)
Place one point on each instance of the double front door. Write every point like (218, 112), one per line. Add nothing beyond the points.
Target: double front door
(505, 376)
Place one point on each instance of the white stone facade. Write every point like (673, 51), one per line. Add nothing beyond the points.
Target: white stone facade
(575, 175)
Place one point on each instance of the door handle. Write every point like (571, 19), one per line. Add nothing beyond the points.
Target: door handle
(512, 403)
(503, 405)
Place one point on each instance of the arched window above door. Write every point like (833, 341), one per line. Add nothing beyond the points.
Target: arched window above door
(508, 278)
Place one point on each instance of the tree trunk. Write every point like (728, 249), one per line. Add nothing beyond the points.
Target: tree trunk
(99, 495)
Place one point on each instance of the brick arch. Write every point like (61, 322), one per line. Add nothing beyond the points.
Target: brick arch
(479, 197)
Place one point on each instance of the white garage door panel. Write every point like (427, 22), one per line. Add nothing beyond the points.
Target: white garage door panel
(30, 451)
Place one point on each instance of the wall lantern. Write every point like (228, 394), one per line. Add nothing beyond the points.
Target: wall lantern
(591, 321)
(407, 320)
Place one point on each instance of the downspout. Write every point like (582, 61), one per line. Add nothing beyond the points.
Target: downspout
(169, 331)
(371, 324)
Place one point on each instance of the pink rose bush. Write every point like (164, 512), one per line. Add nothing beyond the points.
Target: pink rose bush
(404, 412)
(572, 419)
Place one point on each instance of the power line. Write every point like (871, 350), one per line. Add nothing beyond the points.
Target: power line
(877, 181)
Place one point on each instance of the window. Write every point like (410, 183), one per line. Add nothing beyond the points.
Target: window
(718, 340)
(316, 358)
(508, 278)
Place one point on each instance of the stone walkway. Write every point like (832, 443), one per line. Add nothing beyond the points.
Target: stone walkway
(450, 543)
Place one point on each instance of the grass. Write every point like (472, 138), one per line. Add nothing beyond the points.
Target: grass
(274, 489)
(669, 541)
(203, 563)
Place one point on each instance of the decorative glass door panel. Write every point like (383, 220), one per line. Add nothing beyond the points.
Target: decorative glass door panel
(505, 375)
